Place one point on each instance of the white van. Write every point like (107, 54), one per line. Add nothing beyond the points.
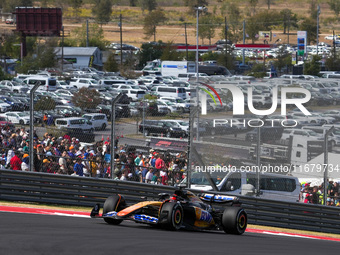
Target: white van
(164, 91)
(99, 120)
(46, 83)
(75, 124)
(134, 94)
(83, 82)
(272, 186)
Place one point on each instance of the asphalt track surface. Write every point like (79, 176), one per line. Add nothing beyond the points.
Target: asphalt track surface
(28, 234)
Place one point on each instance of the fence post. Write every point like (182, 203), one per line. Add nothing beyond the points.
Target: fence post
(31, 133)
(325, 174)
(113, 132)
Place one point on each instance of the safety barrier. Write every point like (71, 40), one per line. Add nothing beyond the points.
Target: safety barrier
(82, 191)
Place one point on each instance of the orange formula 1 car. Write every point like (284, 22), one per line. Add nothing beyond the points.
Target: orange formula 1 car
(181, 210)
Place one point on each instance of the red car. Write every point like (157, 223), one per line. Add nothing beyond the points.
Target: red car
(9, 21)
(5, 122)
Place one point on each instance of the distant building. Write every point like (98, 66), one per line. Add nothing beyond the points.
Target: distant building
(80, 57)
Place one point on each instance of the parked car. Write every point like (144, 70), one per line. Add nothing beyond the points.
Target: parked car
(99, 120)
(15, 86)
(75, 124)
(21, 118)
(161, 128)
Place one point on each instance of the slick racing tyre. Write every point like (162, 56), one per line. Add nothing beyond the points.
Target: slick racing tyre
(173, 213)
(234, 220)
(113, 203)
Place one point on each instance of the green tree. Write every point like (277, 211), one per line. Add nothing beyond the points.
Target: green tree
(253, 26)
(206, 27)
(334, 6)
(169, 53)
(253, 6)
(42, 57)
(149, 5)
(9, 5)
(309, 25)
(152, 20)
(289, 19)
(96, 36)
(9, 45)
(269, 3)
(312, 67)
(333, 62)
(150, 52)
(86, 98)
(264, 20)
(313, 9)
(75, 4)
(284, 59)
(102, 10)
(111, 64)
(4, 75)
(45, 103)
(234, 22)
(132, 3)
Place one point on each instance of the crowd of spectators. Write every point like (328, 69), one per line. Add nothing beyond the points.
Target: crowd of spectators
(315, 194)
(66, 155)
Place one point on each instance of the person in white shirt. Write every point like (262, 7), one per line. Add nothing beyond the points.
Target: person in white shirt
(149, 176)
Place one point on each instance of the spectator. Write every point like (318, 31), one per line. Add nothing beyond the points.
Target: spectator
(149, 176)
(10, 155)
(46, 167)
(159, 163)
(78, 168)
(63, 163)
(145, 170)
(72, 152)
(125, 175)
(93, 165)
(2, 163)
(155, 178)
(138, 159)
(25, 163)
(15, 162)
(315, 196)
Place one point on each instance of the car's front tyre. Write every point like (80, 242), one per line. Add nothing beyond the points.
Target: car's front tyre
(113, 203)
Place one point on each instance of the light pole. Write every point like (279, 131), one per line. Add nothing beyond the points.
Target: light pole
(198, 9)
(317, 30)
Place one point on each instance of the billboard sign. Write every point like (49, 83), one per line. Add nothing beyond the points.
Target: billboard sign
(302, 43)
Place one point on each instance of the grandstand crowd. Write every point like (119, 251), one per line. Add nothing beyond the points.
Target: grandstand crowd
(315, 195)
(66, 155)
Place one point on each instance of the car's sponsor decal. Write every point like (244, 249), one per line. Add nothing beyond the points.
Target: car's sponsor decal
(145, 218)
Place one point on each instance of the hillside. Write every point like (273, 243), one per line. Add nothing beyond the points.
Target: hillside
(174, 29)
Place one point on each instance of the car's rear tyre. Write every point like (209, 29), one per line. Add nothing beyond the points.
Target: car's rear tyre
(113, 203)
(234, 220)
(21, 122)
(103, 126)
(173, 213)
(146, 133)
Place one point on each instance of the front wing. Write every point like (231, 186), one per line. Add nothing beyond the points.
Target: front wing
(140, 218)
